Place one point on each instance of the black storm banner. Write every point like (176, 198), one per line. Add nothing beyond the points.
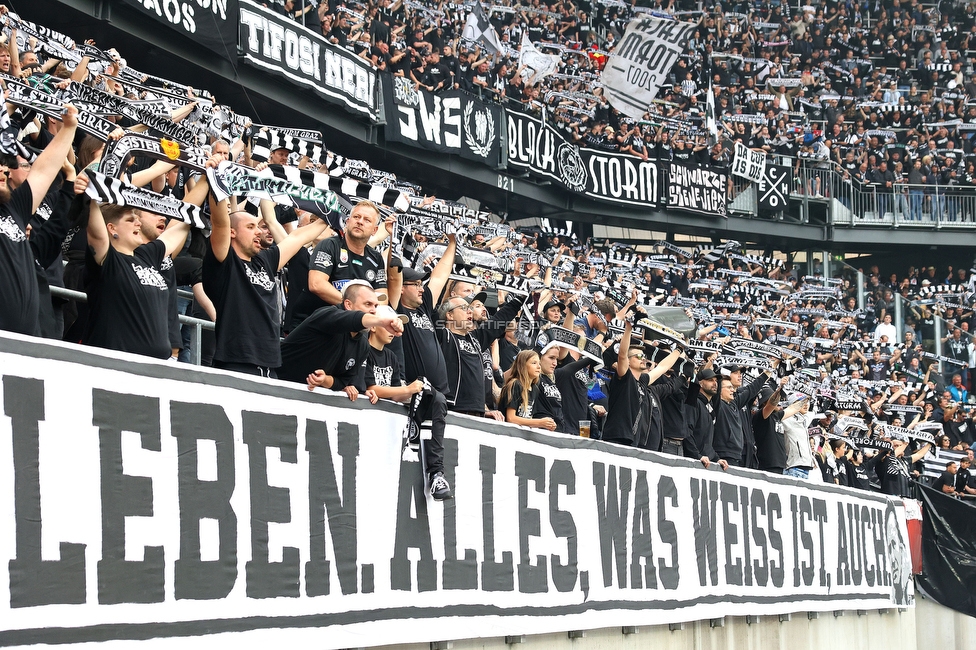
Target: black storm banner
(145, 501)
(539, 148)
(279, 45)
(211, 23)
(449, 122)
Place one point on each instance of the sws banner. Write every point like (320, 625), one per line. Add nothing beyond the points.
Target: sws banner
(280, 45)
(187, 506)
(452, 121)
(537, 147)
(211, 23)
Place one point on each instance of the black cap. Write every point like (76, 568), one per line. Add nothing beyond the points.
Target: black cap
(412, 275)
(707, 373)
(481, 296)
(554, 303)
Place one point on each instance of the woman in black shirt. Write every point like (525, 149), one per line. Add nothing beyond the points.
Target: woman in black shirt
(549, 402)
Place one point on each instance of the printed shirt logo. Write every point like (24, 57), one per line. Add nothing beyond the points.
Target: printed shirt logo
(344, 256)
(370, 275)
(383, 375)
(322, 259)
(551, 391)
(350, 363)
(149, 277)
(167, 264)
(467, 348)
(421, 321)
(259, 278)
(10, 229)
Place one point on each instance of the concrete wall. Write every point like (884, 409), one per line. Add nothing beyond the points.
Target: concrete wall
(941, 628)
(891, 630)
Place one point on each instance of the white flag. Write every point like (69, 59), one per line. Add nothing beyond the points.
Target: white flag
(641, 62)
(536, 65)
(710, 114)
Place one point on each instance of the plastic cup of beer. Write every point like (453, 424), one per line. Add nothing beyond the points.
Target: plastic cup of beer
(584, 427)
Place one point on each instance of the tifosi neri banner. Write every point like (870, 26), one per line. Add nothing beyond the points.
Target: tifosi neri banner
(152, 501)
(282, 46)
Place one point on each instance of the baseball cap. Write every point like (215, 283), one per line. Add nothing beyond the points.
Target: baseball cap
(412, 275)
(707, 373)
(481, 296)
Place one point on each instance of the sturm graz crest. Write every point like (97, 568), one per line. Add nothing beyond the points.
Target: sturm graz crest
(482, 135)
(571, 168)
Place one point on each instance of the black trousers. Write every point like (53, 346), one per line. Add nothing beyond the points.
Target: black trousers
(433, 407)
(246, 369)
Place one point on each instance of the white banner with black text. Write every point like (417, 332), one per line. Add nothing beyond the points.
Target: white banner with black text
(153, 501)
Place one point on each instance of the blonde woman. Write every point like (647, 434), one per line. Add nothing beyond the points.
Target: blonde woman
(521, 391)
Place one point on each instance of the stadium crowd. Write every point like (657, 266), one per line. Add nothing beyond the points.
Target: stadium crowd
(771, 369)
(883, 93)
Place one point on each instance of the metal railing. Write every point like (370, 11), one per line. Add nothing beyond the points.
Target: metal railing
(851, 202)
(197, 324)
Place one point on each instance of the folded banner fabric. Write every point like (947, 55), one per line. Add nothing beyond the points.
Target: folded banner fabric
(641, 62)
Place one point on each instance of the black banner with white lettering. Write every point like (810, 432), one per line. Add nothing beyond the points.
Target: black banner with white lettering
(281, 46)
(538, 147)
(774, 188)
(696, 189)
(452, 121)
(211, 23)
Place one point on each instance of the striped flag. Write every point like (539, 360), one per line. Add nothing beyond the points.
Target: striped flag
(105, 189)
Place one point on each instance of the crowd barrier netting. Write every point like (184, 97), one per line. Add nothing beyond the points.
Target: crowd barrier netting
(143, 499)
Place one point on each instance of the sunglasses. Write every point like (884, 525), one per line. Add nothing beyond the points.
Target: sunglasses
(638, 355)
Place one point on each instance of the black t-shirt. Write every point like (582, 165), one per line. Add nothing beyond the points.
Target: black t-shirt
(946, 478)
(627, 414)
(893, 473)
(18, 285)
(246, 299)
(333, 258)
(324, 342)
(550, 403)
(571, 379)
(465, 371)
(128, 302)
(382, 368)
(168, 271)
(522, 408)
(422, 354)
(770, 441)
